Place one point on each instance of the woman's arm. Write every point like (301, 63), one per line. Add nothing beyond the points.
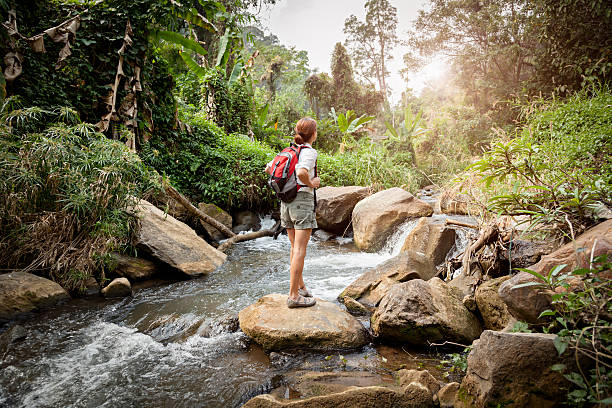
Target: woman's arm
(303, 176)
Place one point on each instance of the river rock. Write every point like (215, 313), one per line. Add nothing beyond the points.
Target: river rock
(22, 292)
(174, 243)
(376, 217)
(134, 268)
(323, 326)
(218, 214)
(446, 395)
(423, 377)
(453, 203)
(314, 383)
(374, 284)
(527, 303)
(513, 369)
(119, 287)
(354, 307)
(335, 206)
(523, 254)
(431, 237)
(418, 312)
(246, 221)
(367, 397)
(493, 310)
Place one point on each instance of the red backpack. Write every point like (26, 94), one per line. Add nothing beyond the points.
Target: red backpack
(283, 179)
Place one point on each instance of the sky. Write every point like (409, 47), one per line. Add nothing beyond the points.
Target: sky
(316, 26)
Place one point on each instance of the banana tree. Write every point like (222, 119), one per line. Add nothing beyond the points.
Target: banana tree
(348, 124)
(405, 133)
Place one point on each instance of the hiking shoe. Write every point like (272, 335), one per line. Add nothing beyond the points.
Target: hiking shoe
(300, 302)
(304, 292)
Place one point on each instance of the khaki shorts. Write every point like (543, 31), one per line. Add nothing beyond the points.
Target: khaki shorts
(299, 214)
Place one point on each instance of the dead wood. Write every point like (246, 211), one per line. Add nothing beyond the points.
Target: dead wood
(247, 237)
(172, 192)
(487, 236)
(461, 223)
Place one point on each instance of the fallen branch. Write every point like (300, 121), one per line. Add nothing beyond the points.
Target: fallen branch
(447, 342)
(487, 235)
(172, 192)
(247, 237)
(461, 223)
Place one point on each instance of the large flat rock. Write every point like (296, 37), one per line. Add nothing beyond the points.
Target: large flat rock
(418, 312)
(376, 217)
(335, 206)
(323, 326)
(22, 292)
(362, 397)
(174, 243)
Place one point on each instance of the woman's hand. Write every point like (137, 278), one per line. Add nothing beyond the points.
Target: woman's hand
(316, 182)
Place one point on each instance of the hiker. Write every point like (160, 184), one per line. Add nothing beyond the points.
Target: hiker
(298, 216)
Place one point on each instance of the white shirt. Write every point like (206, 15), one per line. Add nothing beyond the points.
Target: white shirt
(308, 161)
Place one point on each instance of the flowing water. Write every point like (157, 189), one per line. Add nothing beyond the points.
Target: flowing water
(170, 345)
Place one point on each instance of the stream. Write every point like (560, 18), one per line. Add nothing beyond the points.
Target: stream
(169, 345)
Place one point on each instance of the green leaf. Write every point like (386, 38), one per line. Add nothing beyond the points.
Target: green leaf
(555, 271)
(534, 273)
(236, 72)
(223, 53)
(391, 129)
(176, 38)
(192, 16)
(527, 284)
(606, 401)
(201, 72)
(557, 367)
(560, 344)
(547, 313)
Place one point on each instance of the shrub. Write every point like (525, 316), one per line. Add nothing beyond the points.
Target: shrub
(558, 168)
(66, 190)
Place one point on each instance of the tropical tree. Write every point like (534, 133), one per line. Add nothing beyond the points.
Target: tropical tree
(349, 124)
(404, 134)
(371, 42)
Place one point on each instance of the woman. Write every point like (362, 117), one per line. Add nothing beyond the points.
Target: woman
(298, 217)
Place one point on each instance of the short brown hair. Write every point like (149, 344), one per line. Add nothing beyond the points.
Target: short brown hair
(305, 130)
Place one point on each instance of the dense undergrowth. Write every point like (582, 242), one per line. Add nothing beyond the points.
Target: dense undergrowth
(65, 189)
(557, 168)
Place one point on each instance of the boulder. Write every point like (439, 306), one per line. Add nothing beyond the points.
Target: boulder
(91, 287)
(218, 214)
(134, 268)
(335, 206)
(246, 221)
(323, 326)
(423, 377)
(528, 302)
(418, 312)
(492, 309)
(119, 287)
(22, 292)
(446, 395)
(173, 243)
(452, 203)
(523, 254)
(374, 284)
(366, 397)
(513, 369)
(418, 395)
(354, 307)
(377, 216)
(431, 237)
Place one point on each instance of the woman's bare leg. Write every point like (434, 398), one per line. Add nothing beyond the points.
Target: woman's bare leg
(291, 235)
(298, 253)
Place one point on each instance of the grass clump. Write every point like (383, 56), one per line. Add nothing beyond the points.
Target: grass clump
(65, 189)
